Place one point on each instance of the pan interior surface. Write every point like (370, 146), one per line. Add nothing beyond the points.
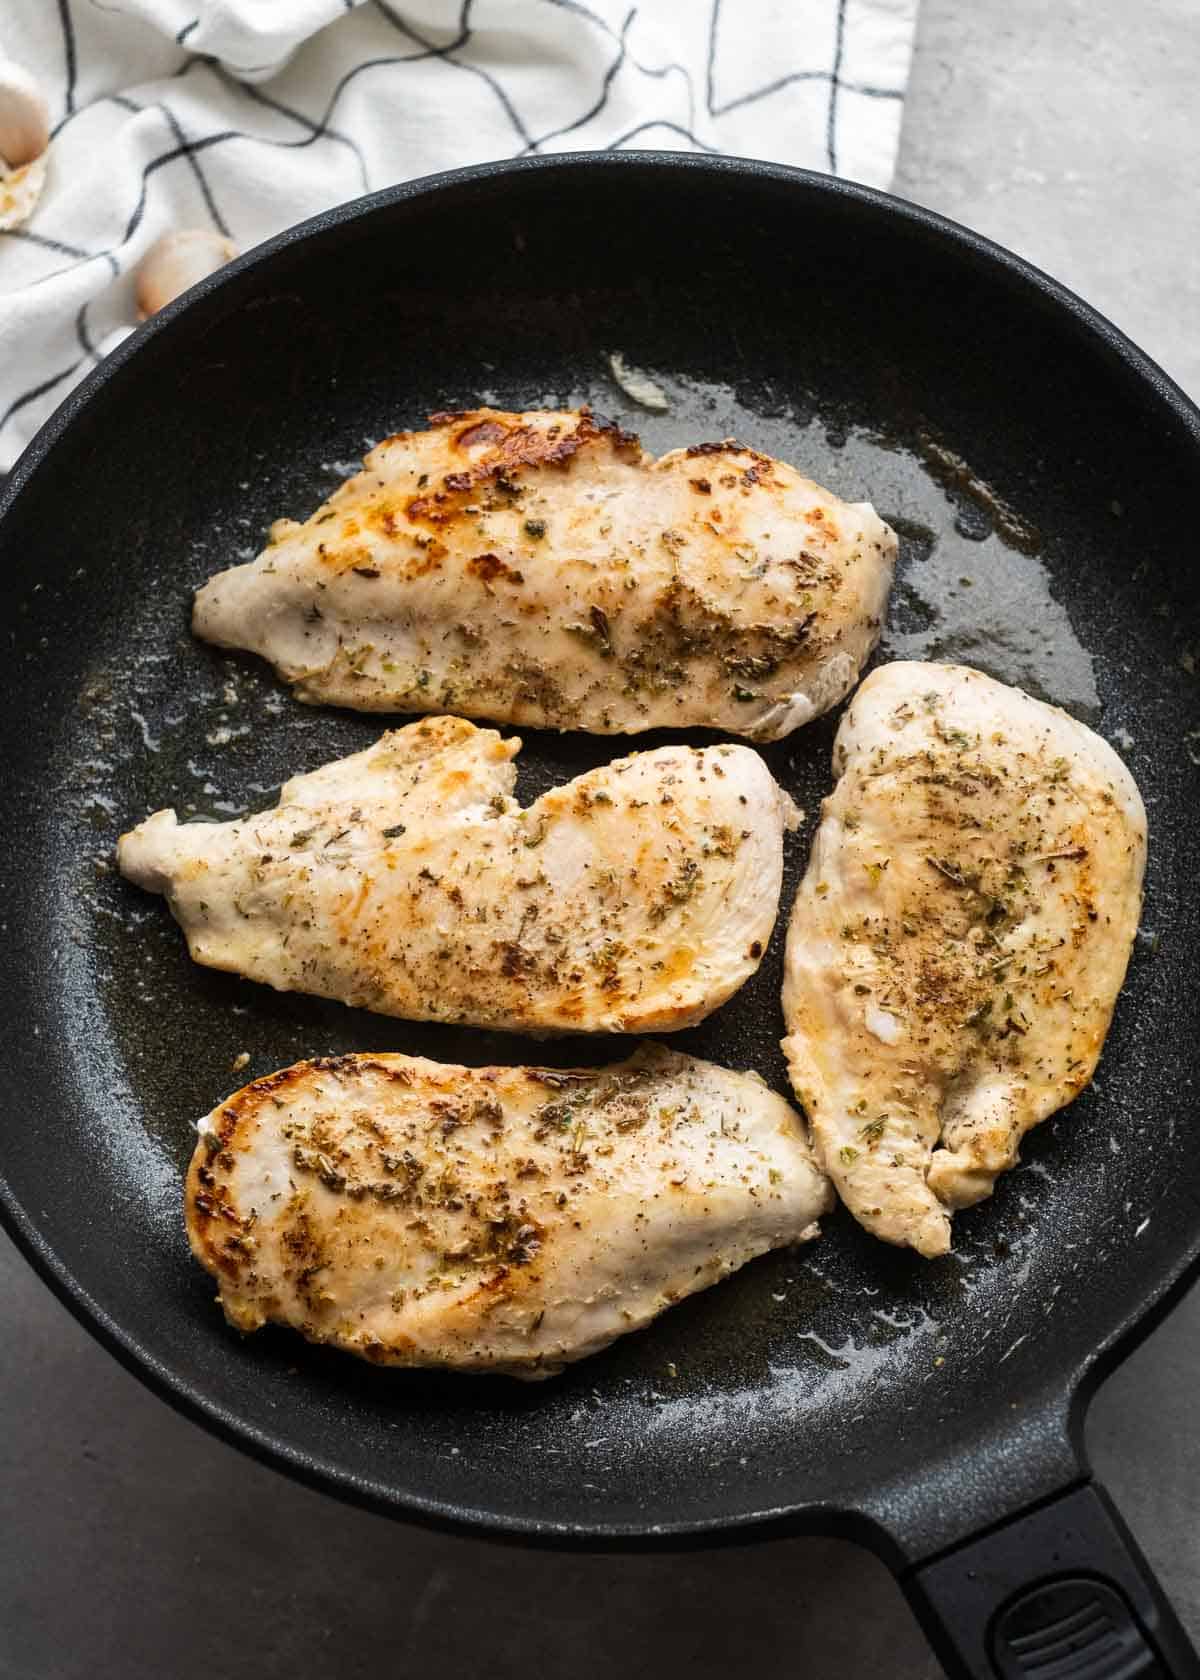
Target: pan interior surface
(1044, 491)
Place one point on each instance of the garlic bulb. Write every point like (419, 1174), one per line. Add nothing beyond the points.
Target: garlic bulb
(177, 261)
(24, 139)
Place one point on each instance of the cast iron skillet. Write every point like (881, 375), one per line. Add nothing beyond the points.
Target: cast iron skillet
(931, 1410)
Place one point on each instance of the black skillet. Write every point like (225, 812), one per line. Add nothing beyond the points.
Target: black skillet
(931, 1410)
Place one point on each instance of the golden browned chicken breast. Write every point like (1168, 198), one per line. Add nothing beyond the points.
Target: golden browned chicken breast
(407, 879)
(542, 569)
(491, 1219)
(959, 940)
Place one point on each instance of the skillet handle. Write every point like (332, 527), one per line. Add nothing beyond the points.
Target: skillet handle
(1060, 1593)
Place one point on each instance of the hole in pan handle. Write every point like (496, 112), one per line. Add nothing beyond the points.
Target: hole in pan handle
(1060, 1592)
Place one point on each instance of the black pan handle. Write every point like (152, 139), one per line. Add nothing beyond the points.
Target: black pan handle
(1058, 1593)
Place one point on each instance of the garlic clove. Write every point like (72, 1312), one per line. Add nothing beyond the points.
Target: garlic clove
(24, 117)
(177, 261)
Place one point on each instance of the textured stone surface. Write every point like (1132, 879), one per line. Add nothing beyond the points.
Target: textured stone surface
(1071, 133)
(135, 1545)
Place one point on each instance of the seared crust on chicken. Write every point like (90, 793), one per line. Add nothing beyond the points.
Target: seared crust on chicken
(959, 940)
(542, 569)
(491, 1219)
(406, 879)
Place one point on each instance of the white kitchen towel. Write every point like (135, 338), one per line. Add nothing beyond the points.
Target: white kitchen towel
(249, 115)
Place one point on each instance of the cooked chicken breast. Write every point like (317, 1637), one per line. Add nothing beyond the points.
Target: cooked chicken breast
(959, 940)
(541, 569)
(407, 879)
(491, 1219)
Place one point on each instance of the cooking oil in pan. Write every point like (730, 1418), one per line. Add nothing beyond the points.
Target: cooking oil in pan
(177, 723)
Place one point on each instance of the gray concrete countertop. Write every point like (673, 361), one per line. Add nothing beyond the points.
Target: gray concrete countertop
(134, 1545)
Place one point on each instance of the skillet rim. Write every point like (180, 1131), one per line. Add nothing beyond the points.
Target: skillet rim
(1062, 1405)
